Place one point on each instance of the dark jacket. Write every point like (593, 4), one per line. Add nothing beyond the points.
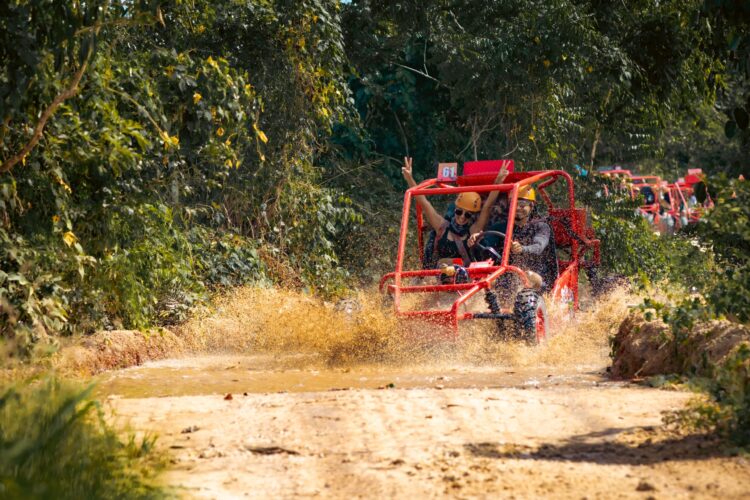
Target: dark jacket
(538, 253)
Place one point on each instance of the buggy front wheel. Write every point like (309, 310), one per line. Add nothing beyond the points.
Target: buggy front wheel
(530, 316)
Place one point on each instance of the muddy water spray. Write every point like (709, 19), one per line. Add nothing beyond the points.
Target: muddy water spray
(282, 322)
(269, 340)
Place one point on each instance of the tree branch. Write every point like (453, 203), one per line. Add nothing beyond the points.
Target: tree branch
(69, 92)
(419, 73)
(403, 133)
(139, 20)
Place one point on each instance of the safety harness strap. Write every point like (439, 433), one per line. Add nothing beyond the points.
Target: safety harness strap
(462, 251)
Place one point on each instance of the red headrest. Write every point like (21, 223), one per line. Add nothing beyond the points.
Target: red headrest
(483, 167)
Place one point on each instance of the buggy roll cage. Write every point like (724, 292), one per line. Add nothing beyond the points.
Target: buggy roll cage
(655, 183)
(568, 226)
(617, 173)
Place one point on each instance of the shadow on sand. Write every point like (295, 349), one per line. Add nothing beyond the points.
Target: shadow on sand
(626, 446)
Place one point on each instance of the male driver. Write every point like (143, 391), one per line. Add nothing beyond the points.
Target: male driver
(531, 249)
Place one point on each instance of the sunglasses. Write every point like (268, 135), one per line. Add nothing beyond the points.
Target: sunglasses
(459, 212)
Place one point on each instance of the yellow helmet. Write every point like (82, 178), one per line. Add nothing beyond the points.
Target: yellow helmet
(527, 193)
(470, 201)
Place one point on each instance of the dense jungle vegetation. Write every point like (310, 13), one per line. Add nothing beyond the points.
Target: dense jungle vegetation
(153, 152)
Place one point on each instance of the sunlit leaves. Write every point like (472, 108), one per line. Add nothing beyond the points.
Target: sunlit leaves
(261, 135)
(183, 130)
(69, 238)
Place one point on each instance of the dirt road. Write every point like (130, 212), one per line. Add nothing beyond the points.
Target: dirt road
(335, 406)
(570, 435)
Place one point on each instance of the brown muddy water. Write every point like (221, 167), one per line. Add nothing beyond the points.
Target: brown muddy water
(265, 374)
(268, 341)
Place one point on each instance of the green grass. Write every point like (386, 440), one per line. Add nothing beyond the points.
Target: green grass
(55, 443)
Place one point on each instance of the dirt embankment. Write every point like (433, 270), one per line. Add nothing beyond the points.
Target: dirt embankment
(111, 350)
(645, 348)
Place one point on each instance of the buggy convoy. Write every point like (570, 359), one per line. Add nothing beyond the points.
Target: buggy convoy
(668, 207)
(572, 242)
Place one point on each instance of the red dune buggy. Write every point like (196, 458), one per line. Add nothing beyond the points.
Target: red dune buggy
(571, 237)
(685, 187)
(650, 187)
(617, 173)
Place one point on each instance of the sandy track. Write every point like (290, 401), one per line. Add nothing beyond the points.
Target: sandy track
(553, 442)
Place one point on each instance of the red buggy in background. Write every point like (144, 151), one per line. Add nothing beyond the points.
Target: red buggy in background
(617, 173)
(650, 187)
(693, 210)
(570, 236)
(684, 207)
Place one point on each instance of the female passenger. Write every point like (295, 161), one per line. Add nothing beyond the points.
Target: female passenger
(449, 234)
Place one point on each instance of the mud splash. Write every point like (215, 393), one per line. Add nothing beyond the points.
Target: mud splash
(271, 340)
(281, 322)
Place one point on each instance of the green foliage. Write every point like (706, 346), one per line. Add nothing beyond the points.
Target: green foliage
(187, 145)
(367, 249)
(732, 392)
(727, 228)
(724, 292)
(724, 285)
(69, 451)
(541, 81)
(631, 247)
(696, 140)
(149, 274)
(32, 300)
(223, 258)
(312, 220)
(727, 411)
(730, 43)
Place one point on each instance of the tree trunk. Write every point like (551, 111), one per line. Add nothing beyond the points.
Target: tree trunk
(597, 137)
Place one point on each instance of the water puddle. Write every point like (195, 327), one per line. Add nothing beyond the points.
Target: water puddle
(263, 374)
(301, 344)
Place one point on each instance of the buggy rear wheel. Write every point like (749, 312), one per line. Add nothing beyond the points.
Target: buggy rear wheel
(530, 315)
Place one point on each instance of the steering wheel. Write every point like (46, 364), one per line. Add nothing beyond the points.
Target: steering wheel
(494, 255)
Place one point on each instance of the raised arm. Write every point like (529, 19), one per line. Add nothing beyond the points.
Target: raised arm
(434, 219)
(484, 215)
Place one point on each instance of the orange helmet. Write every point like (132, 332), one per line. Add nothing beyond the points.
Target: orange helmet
(470, 201)
(527, 193)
